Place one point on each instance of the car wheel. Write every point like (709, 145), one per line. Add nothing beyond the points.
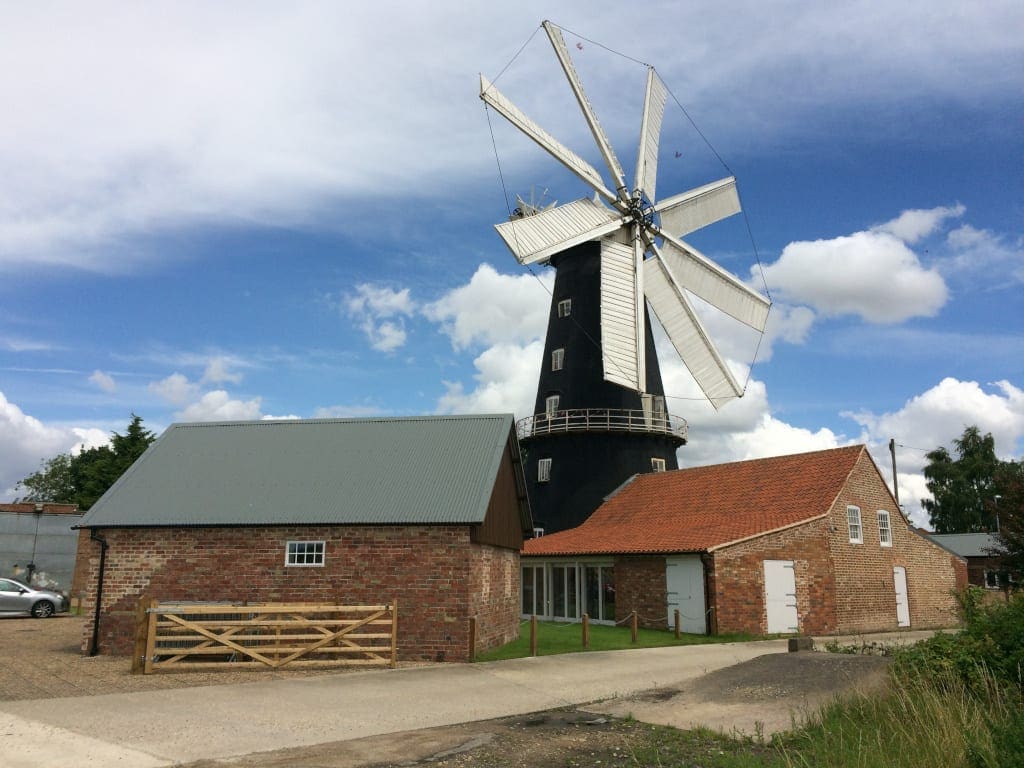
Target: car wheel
(43, 609)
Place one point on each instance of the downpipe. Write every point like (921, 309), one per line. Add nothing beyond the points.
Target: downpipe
(94, 647)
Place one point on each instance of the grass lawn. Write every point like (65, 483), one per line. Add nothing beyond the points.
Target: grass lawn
(559, 637)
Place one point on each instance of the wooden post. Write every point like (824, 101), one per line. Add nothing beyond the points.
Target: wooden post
(633, 628)
(586, 631)
(533, 635)
(141, 631)
(677, 623)
(151, 619)
(394, 633)
(472, 638)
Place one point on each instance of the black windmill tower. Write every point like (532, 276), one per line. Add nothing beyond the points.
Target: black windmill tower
(600, 413)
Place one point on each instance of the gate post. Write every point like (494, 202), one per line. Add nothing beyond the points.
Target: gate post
(141, 635)
(394, 633)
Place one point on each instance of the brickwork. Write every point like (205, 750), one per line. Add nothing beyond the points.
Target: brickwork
(429, 570)
(640, 586)
(738, 591)
(495, 579)
(865, 587)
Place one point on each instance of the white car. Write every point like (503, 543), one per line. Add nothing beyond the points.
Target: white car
(17, 598)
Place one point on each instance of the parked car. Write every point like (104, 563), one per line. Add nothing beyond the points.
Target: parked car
(19, 598)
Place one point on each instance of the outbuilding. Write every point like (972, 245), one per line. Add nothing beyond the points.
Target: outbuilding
(430, 512)
(811, 543)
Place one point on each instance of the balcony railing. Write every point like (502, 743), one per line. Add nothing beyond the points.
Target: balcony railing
(602, 420)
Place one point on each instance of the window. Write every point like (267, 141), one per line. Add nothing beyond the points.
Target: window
(658, 408)
(658, 465)
(565, 307)
(305, 554)
(543, 470)
(853, 521)
(557, 358)
(884, 529)
(551, 406)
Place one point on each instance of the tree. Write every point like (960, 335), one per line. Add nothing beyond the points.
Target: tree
(963, 489)
(81, 479)
(1008, 508)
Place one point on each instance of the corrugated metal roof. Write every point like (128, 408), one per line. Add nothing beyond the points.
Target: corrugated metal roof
(967, 544)
(426, 470)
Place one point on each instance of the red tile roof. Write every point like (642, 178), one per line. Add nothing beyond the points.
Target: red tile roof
(703, 508)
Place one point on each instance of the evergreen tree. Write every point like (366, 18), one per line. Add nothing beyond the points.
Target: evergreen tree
(1008, 509)
(963, 489)
(83, 478)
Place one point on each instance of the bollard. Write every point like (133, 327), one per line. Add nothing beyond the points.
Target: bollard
(472, 638)
(586, 631)
(533, 635)
(677, 623)
(633, 628)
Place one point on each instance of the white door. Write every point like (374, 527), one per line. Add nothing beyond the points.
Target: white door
(780, 596)
(899, 576)
(684, 584)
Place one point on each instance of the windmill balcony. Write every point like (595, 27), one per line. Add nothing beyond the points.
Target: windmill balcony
(602, 420)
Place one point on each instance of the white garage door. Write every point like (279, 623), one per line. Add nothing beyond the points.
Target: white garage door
(684, 581)
(780, 596)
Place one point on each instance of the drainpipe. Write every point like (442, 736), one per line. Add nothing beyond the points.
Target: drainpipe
(94, 642)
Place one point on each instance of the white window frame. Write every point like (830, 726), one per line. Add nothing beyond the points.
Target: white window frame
(551, 405)
(565, 307)
(305, 554)
(543, 470)
(557, 359)
(657, 465)
(854, 524)
(884, 531)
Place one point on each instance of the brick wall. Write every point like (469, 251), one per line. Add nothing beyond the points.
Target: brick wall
(737, 585)
(494, 592)
(640, 586)
(429, 570)
(865, 587)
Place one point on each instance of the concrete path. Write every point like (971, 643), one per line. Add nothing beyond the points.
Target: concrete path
(160, 728)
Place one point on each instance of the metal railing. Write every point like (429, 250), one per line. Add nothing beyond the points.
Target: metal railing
(602, 420)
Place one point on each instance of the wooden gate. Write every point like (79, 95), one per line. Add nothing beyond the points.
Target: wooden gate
(209, 635)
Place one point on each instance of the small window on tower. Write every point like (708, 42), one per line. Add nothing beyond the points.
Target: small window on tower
(543, 470)
(557, 359)
(551, 406)
(658, 465)
(565, 307)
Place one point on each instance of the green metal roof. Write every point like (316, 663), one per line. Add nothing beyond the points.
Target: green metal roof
(427, 470)
(967, 544)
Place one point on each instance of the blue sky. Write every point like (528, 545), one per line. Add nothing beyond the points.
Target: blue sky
(256, 210)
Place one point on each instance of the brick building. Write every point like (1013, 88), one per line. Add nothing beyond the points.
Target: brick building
(810, 543)
(428, 511)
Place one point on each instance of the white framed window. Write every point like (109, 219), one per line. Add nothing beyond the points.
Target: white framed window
(853, 523)
(565, 307)
(557, 359)
(657, 465)
(884, 529)
(543, 470)
(551, 406)
(304, 554)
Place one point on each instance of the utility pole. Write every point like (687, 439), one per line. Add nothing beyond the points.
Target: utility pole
(895, 482)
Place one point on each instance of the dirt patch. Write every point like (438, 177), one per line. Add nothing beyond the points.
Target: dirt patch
(42, 659)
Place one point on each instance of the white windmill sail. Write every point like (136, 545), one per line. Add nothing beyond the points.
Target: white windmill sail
(628, 231)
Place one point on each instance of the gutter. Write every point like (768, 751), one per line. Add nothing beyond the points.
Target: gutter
(94, 641)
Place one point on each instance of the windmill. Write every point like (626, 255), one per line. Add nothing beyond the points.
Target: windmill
(631, 247)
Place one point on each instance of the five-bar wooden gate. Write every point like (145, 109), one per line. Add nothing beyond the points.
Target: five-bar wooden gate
(208, 635)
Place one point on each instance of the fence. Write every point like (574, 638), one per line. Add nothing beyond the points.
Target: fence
(203, 636)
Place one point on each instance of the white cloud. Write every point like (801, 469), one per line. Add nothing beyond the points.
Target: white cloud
(869, 274)
(506, 381)
(219, 406)
(913, 225)
(493, 308)
(176, 389)
(936, 417)
(379, 311)
(25, 442)
(218, 371)
(103, 381)
(348, 412)
(981, 256)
